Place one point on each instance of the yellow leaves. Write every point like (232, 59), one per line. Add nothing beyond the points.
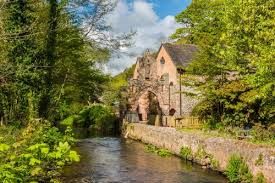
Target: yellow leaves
(45, 150)
(37, 146)
(223, 36)
(4, 147)
(60, 163)
(232, 88)
(36, 171)
(34, 161)
(27, 155)
(69, 121)
(74, 156)
(63, 146)
(250, 96)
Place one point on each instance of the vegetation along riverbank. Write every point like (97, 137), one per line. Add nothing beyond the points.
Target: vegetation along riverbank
(49, 78)
(200, 84)
(239, 160)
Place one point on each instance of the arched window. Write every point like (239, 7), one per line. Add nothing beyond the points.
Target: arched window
(162, 61)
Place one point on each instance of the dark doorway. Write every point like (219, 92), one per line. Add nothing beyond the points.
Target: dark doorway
(154, 110)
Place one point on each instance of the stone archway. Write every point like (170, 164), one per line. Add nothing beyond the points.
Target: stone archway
(144, 94)
(148, 108)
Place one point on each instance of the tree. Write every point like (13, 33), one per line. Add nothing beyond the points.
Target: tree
(21, 74)
(236, 58)
(49, 56)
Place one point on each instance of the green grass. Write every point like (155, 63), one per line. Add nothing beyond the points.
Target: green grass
(237, 170)
(233, 134)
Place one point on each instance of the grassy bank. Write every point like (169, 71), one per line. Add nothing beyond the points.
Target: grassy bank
(255, 136)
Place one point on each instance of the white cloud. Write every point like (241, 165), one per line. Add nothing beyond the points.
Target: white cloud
(150, 31)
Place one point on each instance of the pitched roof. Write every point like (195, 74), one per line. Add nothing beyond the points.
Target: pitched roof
(181, 55)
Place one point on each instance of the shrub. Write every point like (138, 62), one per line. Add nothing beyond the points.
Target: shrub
(69, 121)
(159, 151)
(259, 133)
(201, 154)
(237, 170)
(101, 116)
(186, 153)
(203, 109)
(38, 155)
(234, 119)
(211, 124)
(97, 116)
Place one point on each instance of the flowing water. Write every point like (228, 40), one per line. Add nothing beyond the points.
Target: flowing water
(116, 160)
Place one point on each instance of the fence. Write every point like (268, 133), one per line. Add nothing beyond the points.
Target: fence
(189, 122)
(132, 117)
(182, 122)
(168, 121)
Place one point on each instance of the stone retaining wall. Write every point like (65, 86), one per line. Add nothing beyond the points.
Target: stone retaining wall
(220, 148)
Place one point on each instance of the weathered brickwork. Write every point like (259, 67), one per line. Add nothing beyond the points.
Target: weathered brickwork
(160, 75)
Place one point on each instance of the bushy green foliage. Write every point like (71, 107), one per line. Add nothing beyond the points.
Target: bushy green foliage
(48, 70)
(260, 134)
(186, 153)
(38, 154)
(236, 60)
(159, 151)
(47, 66)
(237, 170)
(201, 154)
(115, 93)
(97, 116)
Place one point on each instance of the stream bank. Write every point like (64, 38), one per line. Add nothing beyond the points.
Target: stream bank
(119, 160)
(215, 149)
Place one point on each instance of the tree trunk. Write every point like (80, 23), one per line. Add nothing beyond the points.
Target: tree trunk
(45, 106)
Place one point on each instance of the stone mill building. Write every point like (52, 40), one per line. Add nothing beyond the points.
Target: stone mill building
(156, 94)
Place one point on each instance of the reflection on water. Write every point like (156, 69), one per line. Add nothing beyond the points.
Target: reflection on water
(115, 160)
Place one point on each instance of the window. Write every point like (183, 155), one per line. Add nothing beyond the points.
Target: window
(165, 77)
(162, 60)
(172, 112)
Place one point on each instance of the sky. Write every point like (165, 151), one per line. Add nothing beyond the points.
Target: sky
(152, 20)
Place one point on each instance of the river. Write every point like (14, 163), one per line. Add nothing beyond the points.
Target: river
(117, 160)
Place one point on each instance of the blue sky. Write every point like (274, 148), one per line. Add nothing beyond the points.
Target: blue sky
(169, 7)
(152, 20)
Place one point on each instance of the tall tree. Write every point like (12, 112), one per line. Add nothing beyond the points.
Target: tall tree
(236, 58)
(22, 59)
(50, 54)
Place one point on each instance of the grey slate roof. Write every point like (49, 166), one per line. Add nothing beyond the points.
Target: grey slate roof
(181, 55)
